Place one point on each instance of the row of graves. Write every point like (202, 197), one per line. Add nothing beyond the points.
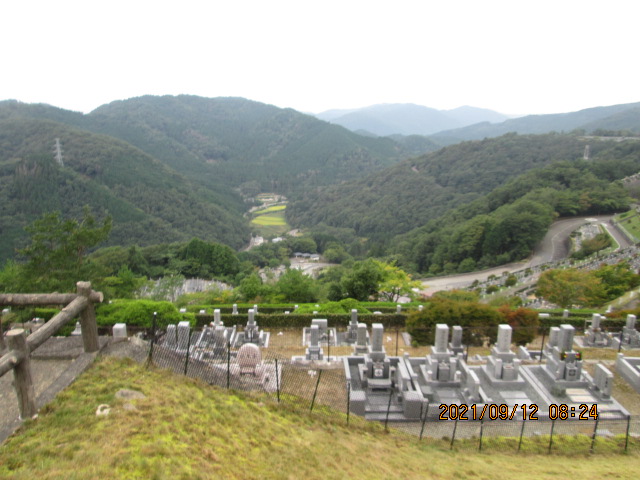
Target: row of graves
(404, 388)
(627, 338)
(595, 336)
(218, 351)
(388, 388)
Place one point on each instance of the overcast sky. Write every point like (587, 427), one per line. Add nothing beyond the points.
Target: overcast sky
(515, 56)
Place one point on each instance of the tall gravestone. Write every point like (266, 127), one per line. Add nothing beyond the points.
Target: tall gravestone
(376, 373)
(362, 340)
(502, 364)
(564, 363)
(314, 350)
(184, 334)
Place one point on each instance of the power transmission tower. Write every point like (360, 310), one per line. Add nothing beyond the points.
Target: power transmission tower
(58, 153)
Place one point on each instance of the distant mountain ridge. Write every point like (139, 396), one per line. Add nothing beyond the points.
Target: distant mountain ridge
(614, 117)
(170, 168)
(173, 167)
(408, 119)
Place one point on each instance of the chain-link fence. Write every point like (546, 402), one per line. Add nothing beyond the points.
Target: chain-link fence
(284, 369)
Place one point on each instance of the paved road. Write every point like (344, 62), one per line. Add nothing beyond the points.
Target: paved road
(553, 247)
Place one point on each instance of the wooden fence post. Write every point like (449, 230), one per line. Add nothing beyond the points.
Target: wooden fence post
(17, 342)
(88, 320)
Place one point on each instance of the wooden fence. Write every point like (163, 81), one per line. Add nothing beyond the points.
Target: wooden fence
(20, 346)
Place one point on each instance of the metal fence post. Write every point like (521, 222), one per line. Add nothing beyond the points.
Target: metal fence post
(626, 440)
(424, 420)
(453, 435)
(228, 362)
(386, 420)
(153, 336)
(595, 433)
(348, 401)
(277, 382)
(186, 357)
(521, 431)
(315, 392)
(553, 424)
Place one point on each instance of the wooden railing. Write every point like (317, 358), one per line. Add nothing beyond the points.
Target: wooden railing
(20, 346)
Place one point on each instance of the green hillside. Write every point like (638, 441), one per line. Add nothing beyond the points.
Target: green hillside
(238, 142)
(149, 202)
(185, 429)
(474, 205)
(418, 190)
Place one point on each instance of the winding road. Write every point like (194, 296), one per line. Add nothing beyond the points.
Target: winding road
(554, 247)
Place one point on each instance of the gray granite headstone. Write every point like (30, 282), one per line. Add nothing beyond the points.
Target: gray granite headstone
(631, 322)
(217, 318)
(554, 336)
(603, 380)
(442, 338)
(120, 331)
(565, 342)
(184, 330)
(504, 338)
(172, 339)
(377, 336)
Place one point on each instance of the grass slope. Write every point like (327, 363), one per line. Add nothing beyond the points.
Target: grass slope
(187, 430)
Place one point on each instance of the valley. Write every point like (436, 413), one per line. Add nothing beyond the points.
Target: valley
(172, 168)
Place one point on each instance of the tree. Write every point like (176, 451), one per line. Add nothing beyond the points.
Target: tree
(523, 321)
(395, 282)
(479, 320)
(56, 255)
(250, 286)
(363, 280)
(617, 279)
(570, 287)
(295, 286)
(123, 285)
(303, 245)
(205, 259)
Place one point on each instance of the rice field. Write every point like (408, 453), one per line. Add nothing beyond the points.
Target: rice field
(271, 221)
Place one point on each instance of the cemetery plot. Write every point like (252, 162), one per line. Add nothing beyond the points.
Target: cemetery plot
(350, 369)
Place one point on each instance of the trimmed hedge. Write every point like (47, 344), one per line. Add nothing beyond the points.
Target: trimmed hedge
(301, 321)
(139, 313)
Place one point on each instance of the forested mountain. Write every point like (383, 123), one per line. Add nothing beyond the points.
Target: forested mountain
(243, 143)
(149, 202)
(417, 190)
(170, 168)
(408, 119)
(441, 190)
(225, 143)
(615, 117)
(508, 223)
